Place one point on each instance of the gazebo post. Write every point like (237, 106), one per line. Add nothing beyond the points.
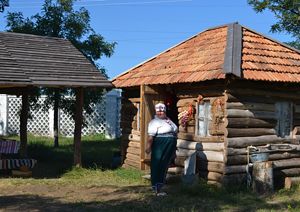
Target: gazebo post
(23, 125)
(78, 126)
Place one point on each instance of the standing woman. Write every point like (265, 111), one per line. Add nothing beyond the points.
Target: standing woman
(161, 144)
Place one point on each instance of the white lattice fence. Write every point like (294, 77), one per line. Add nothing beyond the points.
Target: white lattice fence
(38, 124)
(42, 122)
(95, 122)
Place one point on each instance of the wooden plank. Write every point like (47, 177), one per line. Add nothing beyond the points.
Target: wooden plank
(199, 146)
(240, 142)
(133, 156)
(249, 132)
(23, 125)
(211, 156)
(237, 113)
(292, 172)
(192, 137)
(280, 164)
(134, 144)
(291, 181)
(143, 125)
(252, 92)
(78, 127)
(211, 176)
(251, 106)
(133, 150)
(133, 137)
(250, 123)
(211, 166)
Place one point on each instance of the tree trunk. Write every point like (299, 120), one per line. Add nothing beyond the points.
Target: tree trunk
(263, 177)
(23, 125)
(55, 118)
(78, 127)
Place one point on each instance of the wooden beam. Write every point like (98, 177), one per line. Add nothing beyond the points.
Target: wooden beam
(142, 125)
(78, 127)
(23, 125)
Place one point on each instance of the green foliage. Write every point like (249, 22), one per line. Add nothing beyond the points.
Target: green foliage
(287, 13)
(59, 19)
(3, 4)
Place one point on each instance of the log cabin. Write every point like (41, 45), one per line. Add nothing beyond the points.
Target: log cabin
(227, 88)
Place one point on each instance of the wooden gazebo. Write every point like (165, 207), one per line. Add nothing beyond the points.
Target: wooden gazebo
(28, 61)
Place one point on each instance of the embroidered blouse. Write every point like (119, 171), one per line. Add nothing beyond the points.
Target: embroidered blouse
(159, 126)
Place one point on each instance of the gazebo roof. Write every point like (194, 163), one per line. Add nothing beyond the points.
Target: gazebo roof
(31, 60)
(213, 53)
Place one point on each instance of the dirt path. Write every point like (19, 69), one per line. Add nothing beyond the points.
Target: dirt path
(64, 197)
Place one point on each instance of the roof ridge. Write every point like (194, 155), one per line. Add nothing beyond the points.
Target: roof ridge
(33, 35)
(233, 50)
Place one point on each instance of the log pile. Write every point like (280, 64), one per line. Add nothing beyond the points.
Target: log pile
(131, 134)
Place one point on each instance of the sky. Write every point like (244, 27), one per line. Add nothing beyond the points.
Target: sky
(145, 28)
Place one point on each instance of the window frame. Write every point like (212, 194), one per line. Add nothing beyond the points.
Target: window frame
(280, 117)
(206, 116)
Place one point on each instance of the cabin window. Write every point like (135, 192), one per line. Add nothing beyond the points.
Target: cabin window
(284, 116)
(138, 125)
(203, 117)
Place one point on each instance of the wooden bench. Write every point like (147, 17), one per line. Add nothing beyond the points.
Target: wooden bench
(19, 166)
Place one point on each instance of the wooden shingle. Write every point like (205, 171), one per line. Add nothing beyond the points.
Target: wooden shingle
(215, 53)
(45, 61)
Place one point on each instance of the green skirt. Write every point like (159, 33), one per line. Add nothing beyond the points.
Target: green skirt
(163, 150)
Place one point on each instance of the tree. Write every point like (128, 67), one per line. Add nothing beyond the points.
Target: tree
(59, 19)
(3, 4)
(287, 13)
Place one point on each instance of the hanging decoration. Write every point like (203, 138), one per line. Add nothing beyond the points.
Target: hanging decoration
(186, 115)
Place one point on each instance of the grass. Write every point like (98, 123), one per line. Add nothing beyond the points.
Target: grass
(97, 153)
(98, 187)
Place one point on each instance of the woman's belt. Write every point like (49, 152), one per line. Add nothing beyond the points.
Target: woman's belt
(166, 135)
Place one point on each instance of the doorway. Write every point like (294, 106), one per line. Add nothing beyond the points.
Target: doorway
(171, 104)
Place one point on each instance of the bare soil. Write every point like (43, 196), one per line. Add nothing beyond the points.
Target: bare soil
(45, 197)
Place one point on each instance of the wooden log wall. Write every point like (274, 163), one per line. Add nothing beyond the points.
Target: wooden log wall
(130, 133)
(210, 149)
(251, 119)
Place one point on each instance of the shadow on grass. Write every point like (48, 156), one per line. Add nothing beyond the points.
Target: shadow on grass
(146, 201)
(54, 162)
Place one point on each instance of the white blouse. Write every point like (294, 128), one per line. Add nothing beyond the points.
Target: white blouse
(159, 126)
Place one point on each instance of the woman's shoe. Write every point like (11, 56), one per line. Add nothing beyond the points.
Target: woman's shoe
(161, 194)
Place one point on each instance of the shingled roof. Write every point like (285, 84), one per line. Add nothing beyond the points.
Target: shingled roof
(213, 53)
(30, 60)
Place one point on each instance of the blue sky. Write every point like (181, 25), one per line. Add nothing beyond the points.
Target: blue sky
(144, 28)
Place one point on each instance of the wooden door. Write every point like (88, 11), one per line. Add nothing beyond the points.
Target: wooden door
(150, 95)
